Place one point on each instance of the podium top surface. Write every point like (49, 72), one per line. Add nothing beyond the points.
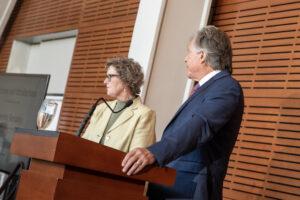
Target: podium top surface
(70, 150)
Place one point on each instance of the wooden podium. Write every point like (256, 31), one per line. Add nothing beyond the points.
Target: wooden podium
(66, 167)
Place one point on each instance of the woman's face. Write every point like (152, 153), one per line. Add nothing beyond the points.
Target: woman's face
(114, 85)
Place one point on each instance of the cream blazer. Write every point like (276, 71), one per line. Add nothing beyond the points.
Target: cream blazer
(135, 127)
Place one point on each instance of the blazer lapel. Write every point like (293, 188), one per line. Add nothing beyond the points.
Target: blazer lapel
(202, 88)
(126, 115)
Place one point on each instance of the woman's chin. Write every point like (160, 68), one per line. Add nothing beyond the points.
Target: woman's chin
(111, 95)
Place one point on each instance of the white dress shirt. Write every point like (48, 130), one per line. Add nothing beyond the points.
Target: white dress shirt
(208, 76)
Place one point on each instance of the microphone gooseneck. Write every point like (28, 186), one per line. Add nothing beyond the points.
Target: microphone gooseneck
(89, 114)
(128, 103)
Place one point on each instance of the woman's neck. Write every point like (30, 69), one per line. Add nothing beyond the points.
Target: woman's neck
(125, 97)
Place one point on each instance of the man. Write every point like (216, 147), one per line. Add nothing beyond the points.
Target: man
(199, 139)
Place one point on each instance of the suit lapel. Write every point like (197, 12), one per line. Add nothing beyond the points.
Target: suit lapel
(200, 90)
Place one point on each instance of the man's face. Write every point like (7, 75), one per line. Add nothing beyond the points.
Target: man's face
(196, 67)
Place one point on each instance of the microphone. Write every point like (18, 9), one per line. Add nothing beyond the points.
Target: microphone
(89, 114)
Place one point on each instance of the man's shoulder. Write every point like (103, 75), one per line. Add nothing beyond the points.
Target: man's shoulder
(227, 80)
(225, 84)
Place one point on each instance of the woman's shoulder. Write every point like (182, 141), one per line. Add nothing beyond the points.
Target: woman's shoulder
(142, 108)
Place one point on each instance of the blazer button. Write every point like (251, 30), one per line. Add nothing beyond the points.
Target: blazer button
(107, 137)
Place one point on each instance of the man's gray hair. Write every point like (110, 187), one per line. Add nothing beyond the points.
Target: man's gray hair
(216, 44)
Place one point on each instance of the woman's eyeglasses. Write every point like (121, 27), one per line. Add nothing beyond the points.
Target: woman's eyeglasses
(109, 76)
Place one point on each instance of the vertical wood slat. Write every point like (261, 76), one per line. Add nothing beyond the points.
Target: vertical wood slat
(104, 30)
(265, 36)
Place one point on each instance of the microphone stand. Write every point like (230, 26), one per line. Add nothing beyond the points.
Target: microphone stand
(89, 114)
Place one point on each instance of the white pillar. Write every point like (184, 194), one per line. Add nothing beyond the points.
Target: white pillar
(145, 33)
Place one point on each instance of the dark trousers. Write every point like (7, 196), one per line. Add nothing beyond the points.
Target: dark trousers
(183, 188)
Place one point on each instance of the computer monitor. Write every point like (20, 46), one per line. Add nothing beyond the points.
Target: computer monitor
(21, 96)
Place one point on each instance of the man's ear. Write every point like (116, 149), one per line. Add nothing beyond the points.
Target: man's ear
(202, 55)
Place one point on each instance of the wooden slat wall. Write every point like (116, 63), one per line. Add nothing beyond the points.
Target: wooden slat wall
(104, 30)
(265, 36)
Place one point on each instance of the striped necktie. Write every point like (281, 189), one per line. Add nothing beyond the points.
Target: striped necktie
(194, 89)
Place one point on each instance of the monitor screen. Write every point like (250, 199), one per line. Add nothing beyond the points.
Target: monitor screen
(21, 96)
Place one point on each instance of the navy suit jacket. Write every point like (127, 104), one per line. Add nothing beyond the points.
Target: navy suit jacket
(201, 135)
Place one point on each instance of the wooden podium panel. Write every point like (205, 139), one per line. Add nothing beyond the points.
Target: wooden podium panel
(35, 186)
(68, 167)
(101, 191)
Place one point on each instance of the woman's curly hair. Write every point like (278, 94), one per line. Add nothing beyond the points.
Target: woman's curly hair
(130, 72)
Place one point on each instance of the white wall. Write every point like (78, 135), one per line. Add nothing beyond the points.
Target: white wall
(145, 34)
(166, 35)
(54, 58)
(19, 56)
(6, 8)
(50, 57)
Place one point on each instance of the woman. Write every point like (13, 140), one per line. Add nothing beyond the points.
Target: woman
(132, 127)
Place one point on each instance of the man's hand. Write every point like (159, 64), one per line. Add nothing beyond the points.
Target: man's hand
(136, 160)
